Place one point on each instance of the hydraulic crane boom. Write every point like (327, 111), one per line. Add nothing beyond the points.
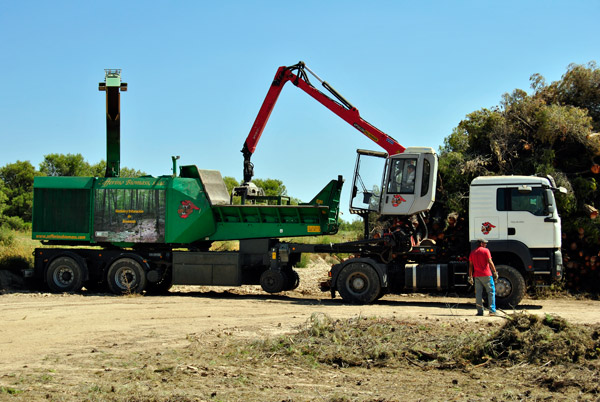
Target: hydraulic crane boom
(341, 107)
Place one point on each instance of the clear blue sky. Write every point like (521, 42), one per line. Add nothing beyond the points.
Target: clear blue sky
(198, 72)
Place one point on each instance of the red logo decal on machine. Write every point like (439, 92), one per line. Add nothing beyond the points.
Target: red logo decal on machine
(486, 228)
(397, 200)
(186, 208)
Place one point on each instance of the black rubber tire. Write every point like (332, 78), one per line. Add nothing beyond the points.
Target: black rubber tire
(358, 283)
(272, 281)
(162, 287)
(510, 287)
(126, 276)
(382, 293)
(64, 274)
(292, 280)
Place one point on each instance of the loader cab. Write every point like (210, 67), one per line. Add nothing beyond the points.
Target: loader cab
(402, 184)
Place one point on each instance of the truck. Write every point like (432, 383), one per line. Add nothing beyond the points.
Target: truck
(516, 215)
(147, 234)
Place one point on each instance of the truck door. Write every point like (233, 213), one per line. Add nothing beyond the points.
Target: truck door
(487, 217)
(366, 185)
(529, 219)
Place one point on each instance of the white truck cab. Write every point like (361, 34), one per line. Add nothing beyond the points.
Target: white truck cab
(406, 187)
(518, 217)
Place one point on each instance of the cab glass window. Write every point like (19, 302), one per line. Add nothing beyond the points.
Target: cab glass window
(426, 174)
(510, 199)
(402, 176)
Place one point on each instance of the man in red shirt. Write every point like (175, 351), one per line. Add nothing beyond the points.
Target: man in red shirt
(481, 267)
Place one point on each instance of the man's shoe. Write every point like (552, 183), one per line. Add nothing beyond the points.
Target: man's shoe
(493, 314)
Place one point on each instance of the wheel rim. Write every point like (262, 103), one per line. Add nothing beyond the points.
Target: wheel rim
(503, 287)
(125, 278)
(357, 283)
(270, 281)
(63, 276)
(273, 281)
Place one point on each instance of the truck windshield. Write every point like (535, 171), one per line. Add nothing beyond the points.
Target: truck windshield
(510, 199)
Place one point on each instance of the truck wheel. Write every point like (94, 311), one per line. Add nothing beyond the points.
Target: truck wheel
(510, 287)
(162, 287)
(126, 276)
(292, 280)
(358, 283)
(382, 293)
(64, 275)
(272, 281)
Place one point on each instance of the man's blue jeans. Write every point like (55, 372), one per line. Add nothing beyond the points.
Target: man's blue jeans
(487, 283)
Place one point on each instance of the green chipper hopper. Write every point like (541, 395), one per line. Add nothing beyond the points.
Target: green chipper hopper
(153, 232)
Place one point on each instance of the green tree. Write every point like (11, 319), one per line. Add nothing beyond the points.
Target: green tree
(272, 187)
(356, 226)
(18, 187)
(3, 199)
(99, 170)
(230, 183)
(65, 165)
(130, 172)
(579, 87)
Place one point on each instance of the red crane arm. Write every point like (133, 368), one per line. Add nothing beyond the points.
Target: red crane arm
(343, 109)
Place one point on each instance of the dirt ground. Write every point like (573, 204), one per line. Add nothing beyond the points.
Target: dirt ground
(103, 347)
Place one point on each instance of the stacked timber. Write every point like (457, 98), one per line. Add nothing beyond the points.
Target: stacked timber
(582, 262)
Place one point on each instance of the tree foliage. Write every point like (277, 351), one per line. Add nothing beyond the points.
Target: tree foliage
(550, 131)
(127, 172)
(3, 198)
(65, 165)
(76, 165)
(272, 187)
(18, 188)
(230, 183)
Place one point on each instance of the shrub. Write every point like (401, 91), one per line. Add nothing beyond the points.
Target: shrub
(16, 223)
(7, 237)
